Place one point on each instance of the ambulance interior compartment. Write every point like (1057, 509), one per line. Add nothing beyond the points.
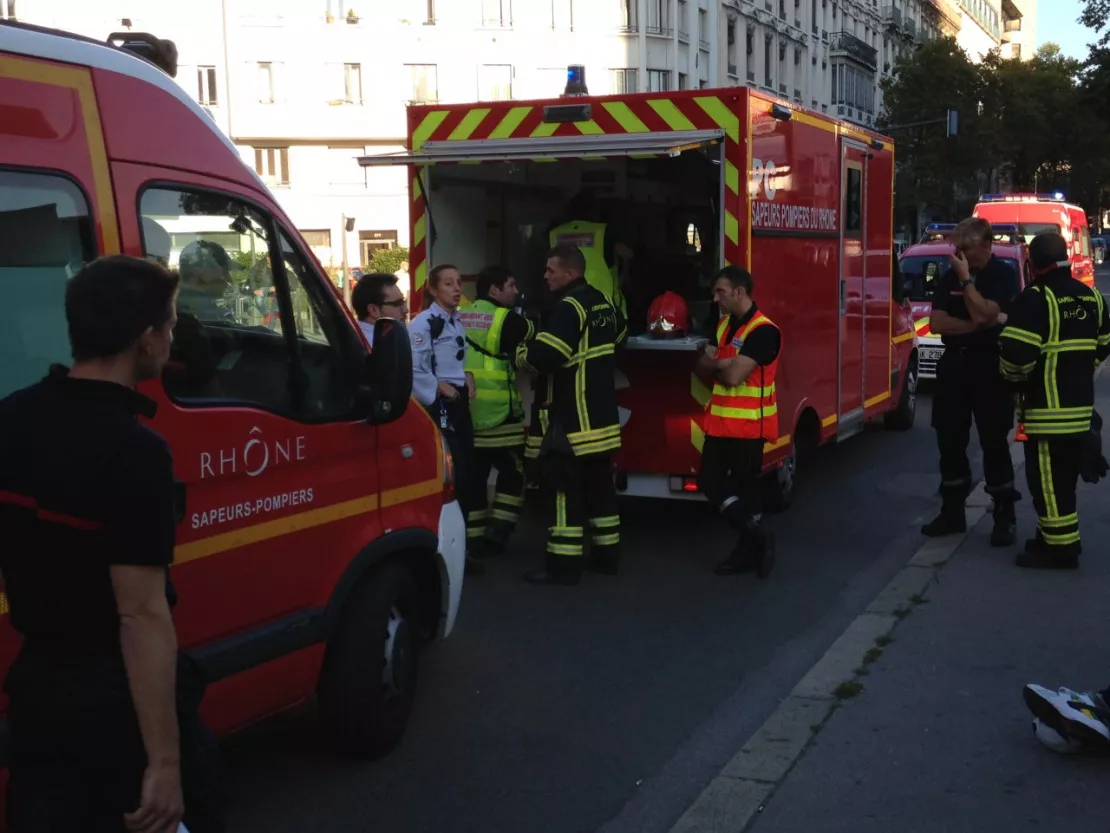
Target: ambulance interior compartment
(666, 208)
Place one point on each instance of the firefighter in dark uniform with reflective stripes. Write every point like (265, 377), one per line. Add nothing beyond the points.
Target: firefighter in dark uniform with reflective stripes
(740, 417)
(1056, 334)
(576, 410)
(493, 332)
(967, 302)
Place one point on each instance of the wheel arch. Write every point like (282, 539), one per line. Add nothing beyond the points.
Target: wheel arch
(418, 549)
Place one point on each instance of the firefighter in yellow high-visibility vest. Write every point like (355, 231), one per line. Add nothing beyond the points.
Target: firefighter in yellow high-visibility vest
(607, 256)
(493, 332)
(740, 417)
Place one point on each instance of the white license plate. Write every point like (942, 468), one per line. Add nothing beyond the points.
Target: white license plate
(931, 354)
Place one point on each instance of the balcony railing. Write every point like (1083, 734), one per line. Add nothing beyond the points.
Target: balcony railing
(703, 45)
(732, 70)
(660, 31)
(892, 16)
(843, 43)
(751, 76)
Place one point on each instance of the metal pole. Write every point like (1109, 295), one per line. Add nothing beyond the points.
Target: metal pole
(346, 272)
(3, 9)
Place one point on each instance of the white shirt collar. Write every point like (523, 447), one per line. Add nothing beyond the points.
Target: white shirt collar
(436, 309)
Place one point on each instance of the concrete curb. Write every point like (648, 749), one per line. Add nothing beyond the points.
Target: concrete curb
(735, 798)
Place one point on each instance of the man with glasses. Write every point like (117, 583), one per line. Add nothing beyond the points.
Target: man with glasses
(970, 303)
(377, 296)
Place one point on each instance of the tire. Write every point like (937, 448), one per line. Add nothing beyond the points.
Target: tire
(902, 417)
(780, 485)
(368, 683)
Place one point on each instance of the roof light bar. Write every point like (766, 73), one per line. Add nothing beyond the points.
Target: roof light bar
(1057, 196)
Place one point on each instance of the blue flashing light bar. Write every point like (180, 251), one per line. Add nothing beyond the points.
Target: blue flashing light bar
(936, 228)
(1057, 196)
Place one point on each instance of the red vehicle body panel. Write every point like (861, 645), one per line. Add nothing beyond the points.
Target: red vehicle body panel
(1070, 220)
(783, 207)
(115, 135)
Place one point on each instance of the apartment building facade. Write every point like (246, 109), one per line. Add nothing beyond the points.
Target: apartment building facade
(1019, 29)
(303, 87)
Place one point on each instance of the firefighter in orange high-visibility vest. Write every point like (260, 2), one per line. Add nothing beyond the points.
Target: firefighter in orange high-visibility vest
(742, 414)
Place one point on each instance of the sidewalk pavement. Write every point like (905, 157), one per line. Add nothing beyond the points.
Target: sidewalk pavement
(938, 739)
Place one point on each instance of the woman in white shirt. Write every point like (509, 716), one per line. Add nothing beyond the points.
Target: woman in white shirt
(440, 382)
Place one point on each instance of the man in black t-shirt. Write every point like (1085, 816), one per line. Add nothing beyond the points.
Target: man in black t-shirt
(741, 417)
(970, 303)
(103, 723)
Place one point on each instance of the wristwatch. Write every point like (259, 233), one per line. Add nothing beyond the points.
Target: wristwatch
(964, 284)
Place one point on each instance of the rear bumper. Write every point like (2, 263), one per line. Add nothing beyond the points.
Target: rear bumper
(452, 554)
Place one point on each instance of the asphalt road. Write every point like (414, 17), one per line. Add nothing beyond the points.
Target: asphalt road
(608, 707)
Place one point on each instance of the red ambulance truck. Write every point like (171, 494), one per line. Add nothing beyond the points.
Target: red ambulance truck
(696, 179)
(1036, 213)
(320, 542)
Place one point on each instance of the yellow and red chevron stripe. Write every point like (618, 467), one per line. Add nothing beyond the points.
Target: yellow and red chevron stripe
(921, 325)
(646, 113)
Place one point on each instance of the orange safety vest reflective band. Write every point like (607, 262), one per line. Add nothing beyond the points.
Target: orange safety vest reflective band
(749, 411)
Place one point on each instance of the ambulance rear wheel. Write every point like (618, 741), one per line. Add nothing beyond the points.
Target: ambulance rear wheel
(368, 683)
(901, 418)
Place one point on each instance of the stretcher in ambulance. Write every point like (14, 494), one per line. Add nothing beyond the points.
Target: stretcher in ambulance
(690, 181)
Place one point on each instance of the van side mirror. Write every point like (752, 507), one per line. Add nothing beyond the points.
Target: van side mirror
(387, 377)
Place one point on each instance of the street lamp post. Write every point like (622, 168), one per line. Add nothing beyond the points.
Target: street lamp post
(348, 225)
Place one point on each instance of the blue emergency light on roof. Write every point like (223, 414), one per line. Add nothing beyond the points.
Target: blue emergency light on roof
(576, 80)
(1057, 196)
(936, 228)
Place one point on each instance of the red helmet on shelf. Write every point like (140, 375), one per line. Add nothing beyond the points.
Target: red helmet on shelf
(668, 316)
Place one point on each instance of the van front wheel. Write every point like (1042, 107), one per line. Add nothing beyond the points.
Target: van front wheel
(368, 682)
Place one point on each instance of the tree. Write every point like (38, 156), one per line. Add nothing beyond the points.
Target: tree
(933, 168)
(1030, 106)
(1096, 16)
(388, 260)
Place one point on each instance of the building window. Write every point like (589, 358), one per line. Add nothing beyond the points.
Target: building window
(266, 82)
(495, 82)
(703, 29)
(683, 19)
(272, 164)
(7, 10)
(206, 86)
(767, 51)
(659, 80)
(623, 80)
(497, 14)
(351, 91)
(659, 17)
(319, 241)
(682, 80)
(424, 84)
(628, 19)
(562, 14)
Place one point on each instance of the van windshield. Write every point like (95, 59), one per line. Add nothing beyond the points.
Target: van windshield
(1030, 230)
(921, 272)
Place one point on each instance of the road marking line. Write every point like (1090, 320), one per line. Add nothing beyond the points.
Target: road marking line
(735, 798)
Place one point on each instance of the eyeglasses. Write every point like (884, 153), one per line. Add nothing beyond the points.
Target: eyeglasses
(462, 351)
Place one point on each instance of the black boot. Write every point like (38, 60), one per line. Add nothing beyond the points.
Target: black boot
(1040, 556)
(952, 518)
(742, 559)
(496, 538)
(605, 559)
(1004, 533)
(560, 570)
